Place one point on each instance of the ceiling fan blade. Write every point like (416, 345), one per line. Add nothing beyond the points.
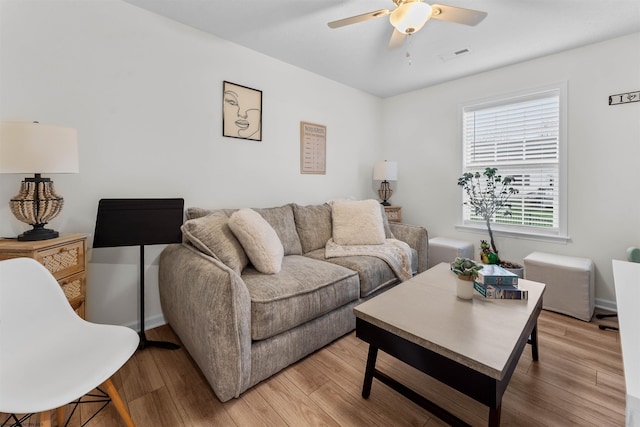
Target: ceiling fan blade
(457, 14)
(396, 39)
(359, 18)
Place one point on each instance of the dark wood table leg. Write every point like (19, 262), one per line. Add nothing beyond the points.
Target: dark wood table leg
(534, 342)
(494, 415)
(368, 373)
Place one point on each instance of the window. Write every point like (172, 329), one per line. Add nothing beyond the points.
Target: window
(522, 136)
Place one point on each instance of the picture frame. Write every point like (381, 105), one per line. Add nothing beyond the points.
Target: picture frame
(241, 112)
(313, 148)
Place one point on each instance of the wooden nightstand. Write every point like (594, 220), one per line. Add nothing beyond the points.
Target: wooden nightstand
(394, 213)
(64, 256)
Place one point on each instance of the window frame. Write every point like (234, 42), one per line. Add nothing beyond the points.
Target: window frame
(559, 235)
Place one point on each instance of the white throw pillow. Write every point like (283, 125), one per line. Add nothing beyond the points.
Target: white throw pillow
(357, 222)
(259, 240)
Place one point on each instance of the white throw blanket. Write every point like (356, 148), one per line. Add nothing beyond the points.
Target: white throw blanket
(394, 252)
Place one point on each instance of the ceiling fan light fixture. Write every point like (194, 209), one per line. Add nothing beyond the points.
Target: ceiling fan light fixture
(410, 17)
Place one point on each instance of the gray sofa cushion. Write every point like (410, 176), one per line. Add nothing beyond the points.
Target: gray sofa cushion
(281, 219)
(193, 213)
(373, 273)
(313, 224)
(212, 235)
(303, 290)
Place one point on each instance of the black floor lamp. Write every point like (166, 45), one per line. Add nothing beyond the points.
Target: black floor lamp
(133, 222)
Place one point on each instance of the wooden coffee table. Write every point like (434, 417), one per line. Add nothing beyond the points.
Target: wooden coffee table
(472, 346)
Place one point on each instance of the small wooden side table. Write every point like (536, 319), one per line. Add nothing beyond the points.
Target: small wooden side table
(394, 213)
(64, 256)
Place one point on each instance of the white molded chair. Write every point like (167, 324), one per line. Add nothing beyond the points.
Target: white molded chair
(49, 356)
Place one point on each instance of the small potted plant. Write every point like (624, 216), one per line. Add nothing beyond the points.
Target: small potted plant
(467, 270)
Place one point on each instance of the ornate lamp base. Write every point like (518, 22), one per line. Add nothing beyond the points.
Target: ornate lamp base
(385, 193)
(36, 204)
(38, 233)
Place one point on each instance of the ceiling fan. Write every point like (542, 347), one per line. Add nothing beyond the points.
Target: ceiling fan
(409, 17)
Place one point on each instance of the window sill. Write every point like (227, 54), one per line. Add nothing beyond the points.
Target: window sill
(541, 237)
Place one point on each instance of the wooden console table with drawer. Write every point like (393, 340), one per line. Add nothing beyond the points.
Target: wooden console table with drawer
(64, 256)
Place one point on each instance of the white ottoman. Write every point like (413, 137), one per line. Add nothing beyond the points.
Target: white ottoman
(442, 249)
(570, 283)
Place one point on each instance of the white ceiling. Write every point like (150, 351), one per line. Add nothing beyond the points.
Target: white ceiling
(296, 32)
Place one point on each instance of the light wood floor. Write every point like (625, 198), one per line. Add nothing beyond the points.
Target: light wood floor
(577, 381)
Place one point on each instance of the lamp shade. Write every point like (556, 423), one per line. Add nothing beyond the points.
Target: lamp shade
(385, 171)
(409, 17)
(37, 148)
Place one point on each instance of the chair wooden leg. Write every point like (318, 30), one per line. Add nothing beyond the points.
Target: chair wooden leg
(60, 416)
(117, 401)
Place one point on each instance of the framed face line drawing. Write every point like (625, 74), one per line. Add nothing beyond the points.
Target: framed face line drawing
(241, 112)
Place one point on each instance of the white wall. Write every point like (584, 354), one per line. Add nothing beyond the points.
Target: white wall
(421, 132)
(145, 94)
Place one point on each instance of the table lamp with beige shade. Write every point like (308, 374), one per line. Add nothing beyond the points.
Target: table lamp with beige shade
(35, 148)
(385, 171)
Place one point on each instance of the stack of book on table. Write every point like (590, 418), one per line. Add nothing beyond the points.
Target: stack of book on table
(495, 282)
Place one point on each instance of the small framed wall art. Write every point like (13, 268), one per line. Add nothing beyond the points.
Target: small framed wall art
(313, 148)
(241, 112)
(624, 98)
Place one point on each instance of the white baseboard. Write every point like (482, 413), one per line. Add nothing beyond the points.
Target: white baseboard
(149, 323)
(606, 304)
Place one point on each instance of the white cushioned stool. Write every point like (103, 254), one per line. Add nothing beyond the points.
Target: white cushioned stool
(570, 283)
(442, 249)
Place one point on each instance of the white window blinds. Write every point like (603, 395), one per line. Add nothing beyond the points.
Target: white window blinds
(521, 137)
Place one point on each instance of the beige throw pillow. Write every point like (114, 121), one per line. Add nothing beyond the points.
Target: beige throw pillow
(259, 240)
(212, 235)
(357, 222)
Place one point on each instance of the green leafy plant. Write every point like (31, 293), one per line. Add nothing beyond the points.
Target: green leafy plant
(465, 267)
(489, 198)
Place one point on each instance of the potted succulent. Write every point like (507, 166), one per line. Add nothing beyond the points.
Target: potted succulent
(467, 270)
(488, 200)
